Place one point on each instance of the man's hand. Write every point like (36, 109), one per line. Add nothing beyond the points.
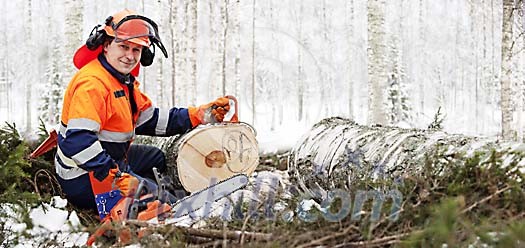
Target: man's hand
(209, 113)
(126, 183)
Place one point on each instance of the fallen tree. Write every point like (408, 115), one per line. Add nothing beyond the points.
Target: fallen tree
(338, 153)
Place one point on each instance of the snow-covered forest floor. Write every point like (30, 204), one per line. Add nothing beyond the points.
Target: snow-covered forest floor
(458, 197)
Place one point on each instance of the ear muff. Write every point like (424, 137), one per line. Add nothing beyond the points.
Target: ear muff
(147, 56)
(96, 38)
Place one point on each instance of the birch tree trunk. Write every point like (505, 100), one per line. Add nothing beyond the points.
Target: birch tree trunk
(506, 66)
(376, 62)
(27, 77)
(174, 46)
(349, 7)
(193, 18)
(300, 81)
(225, 21)
(338, 153)
(73, 33)
(215, 55)
(421, 60)
(5, 81)
(253, 84)
(237, 48)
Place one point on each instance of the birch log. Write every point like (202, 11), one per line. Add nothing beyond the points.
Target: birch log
(208, 154)
(337, 152)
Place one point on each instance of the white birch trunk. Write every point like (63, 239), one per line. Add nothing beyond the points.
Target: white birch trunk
(5, 82)
(224, 39)
(253, 84)
(376, 62)
(349, 7)
(174, 46)
(193, 18)
(215, 56)
(237, 48)
(300, 82)
(27, 78)
(419, 62)
(337, 153)
(506, 64)
(73, 33)
(182, 86)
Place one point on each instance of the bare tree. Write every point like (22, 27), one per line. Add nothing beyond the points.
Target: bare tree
(215, 54)
(506, 64)
(5, 82)
(237, 47)
(192, 55)
(73, 34)
(253, 85)
(300, 70)
(174, 46)
(27, 78)
(349, 7)
(224, 39)
(377, 78)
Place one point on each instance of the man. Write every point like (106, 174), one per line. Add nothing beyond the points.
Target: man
(104, 109)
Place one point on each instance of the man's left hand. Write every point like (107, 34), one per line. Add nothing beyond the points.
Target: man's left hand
(209, 113)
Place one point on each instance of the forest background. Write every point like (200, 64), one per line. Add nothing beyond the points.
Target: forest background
(291, 63)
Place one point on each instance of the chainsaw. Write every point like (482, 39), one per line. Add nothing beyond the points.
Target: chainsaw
(158, 208)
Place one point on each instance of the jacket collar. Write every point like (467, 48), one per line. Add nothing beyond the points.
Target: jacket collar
(124, 79)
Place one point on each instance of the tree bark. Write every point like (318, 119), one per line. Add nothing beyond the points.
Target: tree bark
(376, 62)
(506, 65)
(173, 31)
(193, 52)
(253, 84)
(337, 153)
(349, 7)
(28, 88)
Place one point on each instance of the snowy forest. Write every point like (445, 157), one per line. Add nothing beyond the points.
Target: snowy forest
(417, 104)
(292, 63)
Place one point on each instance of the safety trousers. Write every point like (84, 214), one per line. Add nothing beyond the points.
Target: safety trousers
(141, 159)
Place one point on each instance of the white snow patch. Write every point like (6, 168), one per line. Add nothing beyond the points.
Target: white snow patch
(50, 222)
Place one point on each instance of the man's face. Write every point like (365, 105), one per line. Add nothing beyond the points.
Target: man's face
(123, 56)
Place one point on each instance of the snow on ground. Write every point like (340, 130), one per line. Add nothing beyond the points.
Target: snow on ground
(50, 222)
(283, 139)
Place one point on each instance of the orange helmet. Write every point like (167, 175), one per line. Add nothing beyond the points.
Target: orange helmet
(125, 25)
(128, 25)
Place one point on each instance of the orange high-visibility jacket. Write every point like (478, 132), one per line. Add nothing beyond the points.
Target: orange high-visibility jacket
(97, 125)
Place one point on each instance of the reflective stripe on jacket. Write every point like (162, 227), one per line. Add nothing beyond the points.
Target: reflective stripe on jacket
(97, 123)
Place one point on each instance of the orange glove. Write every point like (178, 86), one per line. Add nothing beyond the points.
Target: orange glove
(209, 113)
(126, 183)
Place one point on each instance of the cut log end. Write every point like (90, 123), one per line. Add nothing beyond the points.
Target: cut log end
(215, 159)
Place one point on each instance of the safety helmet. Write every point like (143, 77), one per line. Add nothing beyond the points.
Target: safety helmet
(125, 25)
(128, 25)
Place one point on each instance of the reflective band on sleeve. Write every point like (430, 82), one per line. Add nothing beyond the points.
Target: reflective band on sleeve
(65, 160)
(62, 130)
(88, 153)
(68, 174)
(83, 123)
(162, 122)
(109, 136)
(145, 116)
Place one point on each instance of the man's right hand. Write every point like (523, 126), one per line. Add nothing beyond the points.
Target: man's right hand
(126, 183)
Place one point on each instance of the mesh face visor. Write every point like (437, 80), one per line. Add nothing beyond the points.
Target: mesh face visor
(140, 30)
(133, 28)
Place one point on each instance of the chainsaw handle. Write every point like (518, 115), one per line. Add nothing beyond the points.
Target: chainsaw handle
(232, 114)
